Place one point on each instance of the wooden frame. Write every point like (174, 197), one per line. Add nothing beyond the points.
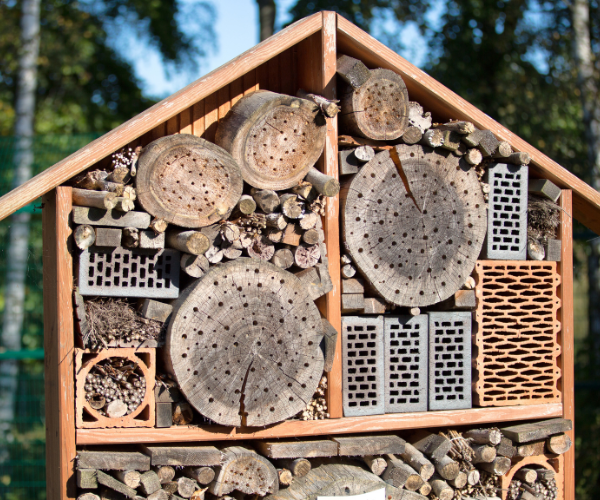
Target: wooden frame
(303, 56)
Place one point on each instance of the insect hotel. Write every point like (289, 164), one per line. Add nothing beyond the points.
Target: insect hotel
(313, 272)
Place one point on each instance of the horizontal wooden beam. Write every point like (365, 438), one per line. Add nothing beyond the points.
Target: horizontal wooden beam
(157, 114)
(347, 425)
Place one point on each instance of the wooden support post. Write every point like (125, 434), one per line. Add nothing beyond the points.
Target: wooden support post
(59, 341)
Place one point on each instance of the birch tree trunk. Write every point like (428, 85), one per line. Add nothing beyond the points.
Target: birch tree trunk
(587, 81)
(16, 258)
(266, 17)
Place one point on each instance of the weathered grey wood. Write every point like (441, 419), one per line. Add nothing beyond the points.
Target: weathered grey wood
(432, 445)
(192, 242)
(545, 188)
(306, 256)
(311, 237)
(352, 302)
(441, 489)
(276, 221)
(246, 471)
(531, 449)
(150, 239)
(124, 204)
(426, 261)
(451, 139)
(149, 482)
(446, 467)
(164, 415)
(369, 445)
(373, 305)
(186, 487)
(526, 474)
(170, 488)
(275, 138)
(378, 109)
(459, 482)
(261, 248)
(112, 483)
(353, 285)
(425, 490)
(376, 465)
(364, 153)
(504, 150)
(401, 475)
(165, 473)
(104, 200)
(553, 250)
(88, 496)
(328, 344)
(518, 158)
(486, 141)
(460, 127)
(231, 252)
(157, 495)
(155, 310)
(203, 475)
(311, 280)
(299, 467)
(267, 200)
(483, 453)
(111, 218)
(545, 474)
(499, 467)
(327, 107)
(417, 461)
(524, 433)
(491, 436)
(558, 444)
(291, 205)
(309, 221)
(348, 271)
(130, 478)
(194, 265)
(108, 237)
(245, 206)
(506, 448)
(167, 392)
(270, 307)
(352, 71)
(297, 448)
(87, 479)
(473, 477)
(417, 117)
(84, 236)
(324, 184)
(283, 258)
(187, 181)
(348, 162)
(412, 135)
(183, 455)
(113, 460)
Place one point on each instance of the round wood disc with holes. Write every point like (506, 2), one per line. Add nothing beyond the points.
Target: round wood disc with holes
(244, 344)
(378, 109)
(187, 181)
(275, 138)
(416, 236)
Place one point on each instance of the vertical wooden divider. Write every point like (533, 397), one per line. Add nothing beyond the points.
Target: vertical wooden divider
(59, 379)
(567, 331)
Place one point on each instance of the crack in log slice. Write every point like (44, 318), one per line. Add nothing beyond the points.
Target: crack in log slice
(187, 181)
(377, 110)
(244, 344)
(415, 247)
(338, 480)
(275, 138)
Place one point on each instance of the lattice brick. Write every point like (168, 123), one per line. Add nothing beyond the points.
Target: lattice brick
(507, 217)
(517, 330)
(449, 360)
(121, 272)
(405, 363)
(362, 358)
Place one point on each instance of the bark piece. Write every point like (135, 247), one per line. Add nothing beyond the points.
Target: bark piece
(381, 213)
(369, 445)
(378, 109)
(484, 436)
(266, 199)
(376, 465)
(499, 467)
(417, 461)
(87, 479)
(432, 445)
(545, 474)
(506, 448)
(187, 181)
(84, 236)
(131, 478)
(451, 140)
(545, 188)
(324, 184)
(460, 127)
(131, 237)
(194, 265)
(525, 433)
(113, 460)
(446, 467)
(352, 71)
(412, 135)
(149, 482)
(272, 307)
(418, 118)
(275, 138)
(203, 475)
(155, 310)
(192, 242)
(306, 256)
(401, 475)
(111, 218)
(328, 344)
(246, 471)
(558, 444)
(483, 453)
(352, 302)
(292, 448)
(152, 240)
(104, 200)
(115, 485)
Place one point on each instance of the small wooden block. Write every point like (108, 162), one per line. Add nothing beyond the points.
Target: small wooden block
(352, 302)
(553, 249)
(297, 449)
(292, 235)
(87, 479)
(506, 448)
(348, 163)
(545, 188)
(525, 433)
(164, 414)
(116, 485)
(111, 218)
(113, 460)
(149, 239)
(183, 455)
(150, 483)
(532, 449)
(353, 285)
(155, 310)
(108, 237)
(328, 344)
(373, 306)
(164, 394)
(461, 300)
(432, 445)
(369, 445)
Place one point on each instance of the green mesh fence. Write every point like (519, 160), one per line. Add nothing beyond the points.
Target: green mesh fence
(22, 446)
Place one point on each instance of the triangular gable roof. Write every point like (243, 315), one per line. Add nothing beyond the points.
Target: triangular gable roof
(442, 102)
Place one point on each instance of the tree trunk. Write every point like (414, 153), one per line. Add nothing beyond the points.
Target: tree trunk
(16, 261)
(266, 18)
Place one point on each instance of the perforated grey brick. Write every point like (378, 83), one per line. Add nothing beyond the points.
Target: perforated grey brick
(362, 365)
(449, 360)
(406, 363)
(121, 272)
(507, 215)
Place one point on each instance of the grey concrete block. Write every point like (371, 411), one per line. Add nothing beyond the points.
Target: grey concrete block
(449, 360)
(362, 365)
(108, 237)
(506, 237)
(348, 162)
(122, 272)
(406, 363)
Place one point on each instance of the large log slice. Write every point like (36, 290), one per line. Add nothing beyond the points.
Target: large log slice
(414, 222)
(244, 344)
(378, 109)
(187, 181)
(275, 138)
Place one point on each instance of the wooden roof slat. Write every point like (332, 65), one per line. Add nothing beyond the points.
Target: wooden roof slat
(435, 96)
(159, 113)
